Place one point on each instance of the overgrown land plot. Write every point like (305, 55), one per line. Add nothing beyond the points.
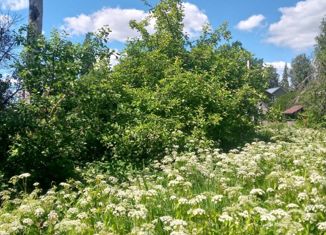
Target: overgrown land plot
(276, 187)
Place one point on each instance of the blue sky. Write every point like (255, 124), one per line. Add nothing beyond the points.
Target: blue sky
(275, 30)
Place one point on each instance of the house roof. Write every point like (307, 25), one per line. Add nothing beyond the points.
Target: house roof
(293, 109)
(272, 90)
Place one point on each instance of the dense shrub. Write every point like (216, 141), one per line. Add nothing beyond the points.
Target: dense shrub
(165, 91)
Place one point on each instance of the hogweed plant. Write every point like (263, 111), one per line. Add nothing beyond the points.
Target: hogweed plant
(276, 187)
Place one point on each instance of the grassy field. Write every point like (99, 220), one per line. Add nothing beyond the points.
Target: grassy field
(276, 187)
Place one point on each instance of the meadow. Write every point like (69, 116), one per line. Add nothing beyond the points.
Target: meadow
(274, 187)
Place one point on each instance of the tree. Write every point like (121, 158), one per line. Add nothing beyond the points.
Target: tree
(301, 71)
(314, 95)
(8, 43)
(285, 78)
(35, 16)
(166, 91)
(320, 51)
(271, 76)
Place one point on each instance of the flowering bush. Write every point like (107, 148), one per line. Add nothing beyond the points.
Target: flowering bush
(263, 188)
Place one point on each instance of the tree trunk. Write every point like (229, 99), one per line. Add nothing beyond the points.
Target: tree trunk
(36, 16)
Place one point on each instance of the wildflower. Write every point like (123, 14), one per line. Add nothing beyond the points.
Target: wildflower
(244, 214)
(197, 199)
(183, 201)
(139, 213)
(315, 178)
(302, 196)
(166, 219)
(257, 192)
(267, 217)
(321, 226)
(65, 185)
(24, 175)
(217, 198)
(292, 206)
(310, 217)
(82, 215)
(25, 208)
(270, 190)
(195, 212)
(53, 217)
(178, 233)
(72, 211)
(225, 217)
(279, 213)
(28, 221)
(173, 197)
(178, 224)
(39, 212)
(99, 225)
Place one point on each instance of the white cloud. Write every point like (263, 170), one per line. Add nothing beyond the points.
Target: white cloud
(194, 19)
(14, 5)
(299, 25)
(252, 22)
(279, 65)
(118, 20)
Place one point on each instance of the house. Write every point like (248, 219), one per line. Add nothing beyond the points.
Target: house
(293, 111)
(275, 92)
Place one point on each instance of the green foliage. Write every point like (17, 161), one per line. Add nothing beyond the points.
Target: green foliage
(166, 91)
(44, 134)
(4, 89)
(272, 76)
(301, 71)
(314, 96)
(274, 114)
(320, 51)
(285, 78)
(286, 101)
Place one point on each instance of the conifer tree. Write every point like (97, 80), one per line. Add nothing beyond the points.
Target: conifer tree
(285, 77)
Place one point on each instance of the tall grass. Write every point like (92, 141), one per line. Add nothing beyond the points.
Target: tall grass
(263, 188)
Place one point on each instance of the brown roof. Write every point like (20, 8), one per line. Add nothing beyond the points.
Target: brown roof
(293, 109)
